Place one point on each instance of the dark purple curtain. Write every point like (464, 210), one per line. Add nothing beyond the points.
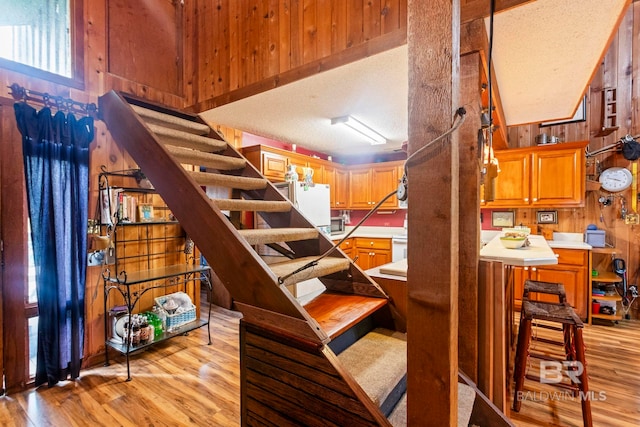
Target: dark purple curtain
(56, 165)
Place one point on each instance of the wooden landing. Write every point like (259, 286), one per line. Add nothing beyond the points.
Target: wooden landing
(338, 312)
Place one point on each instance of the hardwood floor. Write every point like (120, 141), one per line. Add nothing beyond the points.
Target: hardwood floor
(180, 382)
(186, 382)
(613, 363)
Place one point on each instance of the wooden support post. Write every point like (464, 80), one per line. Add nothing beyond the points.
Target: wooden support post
(432, 324)
(469, 205)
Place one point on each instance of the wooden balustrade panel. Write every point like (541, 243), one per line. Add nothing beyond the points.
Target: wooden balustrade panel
(290, 383)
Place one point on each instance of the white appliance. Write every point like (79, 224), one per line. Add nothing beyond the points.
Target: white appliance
(312, 201)
(398, 247)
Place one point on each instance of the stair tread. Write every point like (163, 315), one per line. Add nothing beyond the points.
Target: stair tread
(378, 362)
(466, 399)
(252, 205)
(229, 181)
(336, 313)
(185, 139)
(275, 235)
(167, 120)
(324, 267)
(201, 158)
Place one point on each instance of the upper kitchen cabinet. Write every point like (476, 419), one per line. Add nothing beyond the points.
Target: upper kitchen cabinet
(318, 171)
(368, 184)
(543, 176)
(271, 164)
(338, 179)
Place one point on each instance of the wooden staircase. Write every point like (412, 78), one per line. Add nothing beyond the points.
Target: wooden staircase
(340, 359)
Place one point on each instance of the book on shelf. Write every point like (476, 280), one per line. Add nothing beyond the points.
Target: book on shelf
(109, 205)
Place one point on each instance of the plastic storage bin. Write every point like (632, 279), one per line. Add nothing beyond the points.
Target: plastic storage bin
(594, 238)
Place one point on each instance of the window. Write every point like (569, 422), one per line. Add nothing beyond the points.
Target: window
(38, 37)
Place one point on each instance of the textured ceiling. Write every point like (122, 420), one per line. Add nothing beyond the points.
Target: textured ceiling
(373, 90)
(545, 53)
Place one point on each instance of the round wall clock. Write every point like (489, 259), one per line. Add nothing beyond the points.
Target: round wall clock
(615, 179)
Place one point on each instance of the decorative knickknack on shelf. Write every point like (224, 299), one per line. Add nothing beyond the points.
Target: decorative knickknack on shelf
(291, 175)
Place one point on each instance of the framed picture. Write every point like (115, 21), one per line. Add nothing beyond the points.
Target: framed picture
(547, 217)
(145, 212)
(580, 116)
(500, 219)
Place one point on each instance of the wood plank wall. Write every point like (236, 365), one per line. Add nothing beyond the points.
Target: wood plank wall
(619, 69)
(245, 47)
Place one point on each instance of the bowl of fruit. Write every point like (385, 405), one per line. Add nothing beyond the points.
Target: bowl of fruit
(514, 240)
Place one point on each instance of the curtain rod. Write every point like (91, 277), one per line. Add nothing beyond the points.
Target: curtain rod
(67, 104)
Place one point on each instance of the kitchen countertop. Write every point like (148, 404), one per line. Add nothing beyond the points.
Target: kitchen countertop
(537, 253)
(394, 271)
(560, 240)
(372, 232)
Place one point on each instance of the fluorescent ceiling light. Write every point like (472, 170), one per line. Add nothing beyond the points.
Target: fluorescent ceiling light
(374, 137)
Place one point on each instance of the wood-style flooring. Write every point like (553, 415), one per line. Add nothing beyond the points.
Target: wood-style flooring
(613, 366)
(185, 382)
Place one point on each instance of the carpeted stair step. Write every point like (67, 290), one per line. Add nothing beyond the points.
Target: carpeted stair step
(466, 399)
(263, 236)
(244, 205)
(324, 267)
(229, 181)
(167, 120)
(188, 140)
(201, 158)
(378, 362)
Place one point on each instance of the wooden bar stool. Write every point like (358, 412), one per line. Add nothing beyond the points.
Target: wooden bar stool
(549, 288)
(564, 315)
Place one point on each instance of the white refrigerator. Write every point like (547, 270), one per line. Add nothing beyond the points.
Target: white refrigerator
(312, 201)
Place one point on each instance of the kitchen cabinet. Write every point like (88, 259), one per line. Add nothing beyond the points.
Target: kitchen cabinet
(368, 184)
(299, 162)
(338, 180)
(346, 247)
(271, 164)
(318, 171)
(385, 179)
(545, 176)
(571, 271)
(372, 252)
(360, 188)
(352, 187)
(606, 279)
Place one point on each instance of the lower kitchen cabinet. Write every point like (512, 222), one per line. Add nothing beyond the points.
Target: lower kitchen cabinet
(571, 271)
(372, 252)
(346, 246)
